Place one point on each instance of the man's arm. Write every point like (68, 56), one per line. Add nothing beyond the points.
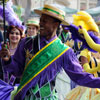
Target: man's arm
(75, 71)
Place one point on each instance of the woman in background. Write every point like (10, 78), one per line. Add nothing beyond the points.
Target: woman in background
(14, 35)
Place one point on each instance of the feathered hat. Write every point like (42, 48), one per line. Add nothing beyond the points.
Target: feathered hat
(85, 20)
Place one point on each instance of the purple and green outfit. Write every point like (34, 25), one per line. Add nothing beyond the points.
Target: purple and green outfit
(38, 66)
(7, 84)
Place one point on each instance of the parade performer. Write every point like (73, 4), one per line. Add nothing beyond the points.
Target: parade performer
(88, 24)
(79, 92)
(86, 21)
(14, 34)
(39, 74)
(32, 27)
(92, 44)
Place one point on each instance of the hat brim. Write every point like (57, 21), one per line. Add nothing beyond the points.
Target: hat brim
(33, 25)
(43, 12)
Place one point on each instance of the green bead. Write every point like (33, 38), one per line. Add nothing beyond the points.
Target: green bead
(6, 46)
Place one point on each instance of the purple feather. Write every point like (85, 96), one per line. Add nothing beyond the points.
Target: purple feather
(5, 90)
(11, 17)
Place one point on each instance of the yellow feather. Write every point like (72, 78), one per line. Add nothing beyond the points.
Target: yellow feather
(85, 20)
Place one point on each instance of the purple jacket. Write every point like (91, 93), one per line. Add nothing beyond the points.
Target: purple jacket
(68, 61)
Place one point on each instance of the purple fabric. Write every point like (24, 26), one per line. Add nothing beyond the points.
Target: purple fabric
(68, 61)
(6, 76)
(11, 17)
(12, 80)
(95, 39)
(5, 90)
(76, 36)
(0, 46)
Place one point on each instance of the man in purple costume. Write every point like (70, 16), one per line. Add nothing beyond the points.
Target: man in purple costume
(49, 21)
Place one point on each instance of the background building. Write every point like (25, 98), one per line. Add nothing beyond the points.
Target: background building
(29, 5)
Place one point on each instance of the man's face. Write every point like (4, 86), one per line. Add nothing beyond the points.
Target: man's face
(47, 25)
(32, 30)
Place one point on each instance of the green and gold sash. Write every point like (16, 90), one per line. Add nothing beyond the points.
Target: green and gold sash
(41, 60)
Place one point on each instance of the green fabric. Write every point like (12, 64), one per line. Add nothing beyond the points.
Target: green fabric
(45, 94)
(41, 60)
(65, 35)
(13, 92)
(45, 91)
(34, 91)
(32, 22)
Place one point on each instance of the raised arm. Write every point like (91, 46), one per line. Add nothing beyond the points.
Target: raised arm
(89, 40)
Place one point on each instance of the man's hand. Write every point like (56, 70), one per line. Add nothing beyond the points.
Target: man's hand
(5, 53)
